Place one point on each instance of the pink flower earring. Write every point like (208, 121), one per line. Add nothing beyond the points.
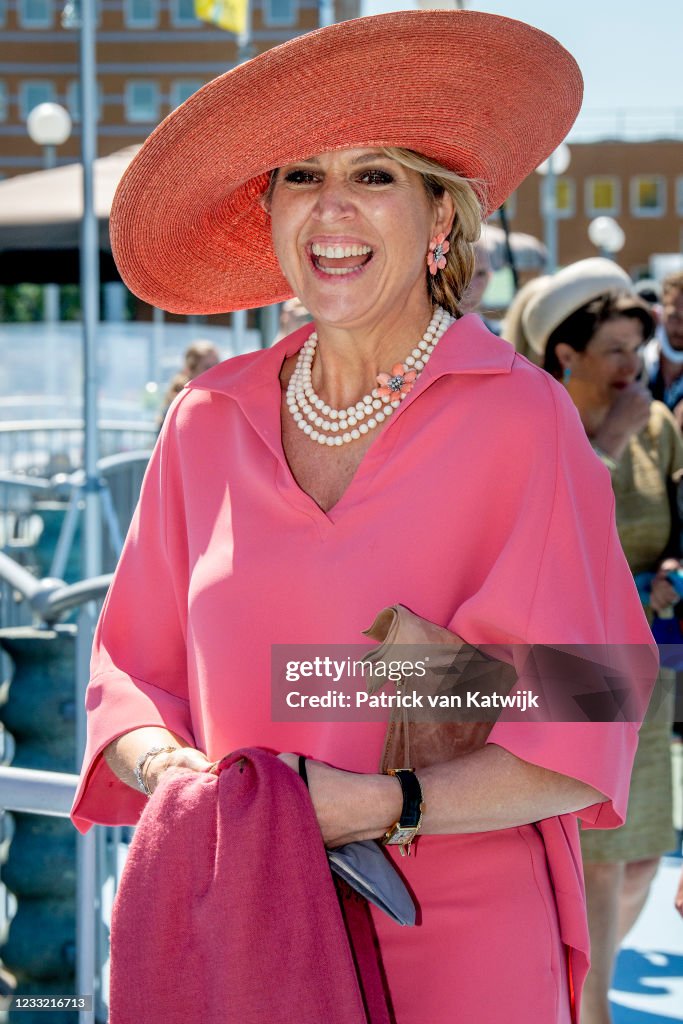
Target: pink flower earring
(436, 257)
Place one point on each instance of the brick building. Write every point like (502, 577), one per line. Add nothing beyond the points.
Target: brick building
(639, 184)
(151, 54)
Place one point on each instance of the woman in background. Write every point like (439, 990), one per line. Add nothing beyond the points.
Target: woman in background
(200, 356)
(589, 327)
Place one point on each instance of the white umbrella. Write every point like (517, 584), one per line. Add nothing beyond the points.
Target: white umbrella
(44, 209)
(528, 252)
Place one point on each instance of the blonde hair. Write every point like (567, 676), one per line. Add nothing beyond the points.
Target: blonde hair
(448, 286)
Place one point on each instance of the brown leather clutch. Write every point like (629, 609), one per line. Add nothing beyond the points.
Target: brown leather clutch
(415, 741)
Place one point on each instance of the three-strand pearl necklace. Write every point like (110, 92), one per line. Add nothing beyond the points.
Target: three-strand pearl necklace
(325, 425)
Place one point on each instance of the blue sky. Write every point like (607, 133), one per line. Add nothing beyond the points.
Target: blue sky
(630, 51)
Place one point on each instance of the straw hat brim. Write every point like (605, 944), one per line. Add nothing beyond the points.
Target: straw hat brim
(483, 95)
(568, 291)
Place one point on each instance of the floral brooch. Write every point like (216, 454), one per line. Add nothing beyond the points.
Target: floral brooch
(395, 384)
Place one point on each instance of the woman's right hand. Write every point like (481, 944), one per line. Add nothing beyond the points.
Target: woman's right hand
(123, 754)
(181, 759)
(628, 415)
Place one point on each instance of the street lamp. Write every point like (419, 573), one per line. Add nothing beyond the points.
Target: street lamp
(49, 126)
(557, 163)
(607, 236)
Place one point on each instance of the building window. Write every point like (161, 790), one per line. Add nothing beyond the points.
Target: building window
(280, 12)
(565, 197)
(679, 196)
(3, 101)
(648, 195)
(182, 12)
(33, 93)
(141, 13)
(35, 13)
(142, 102)
(603, 197)
(182, 90)
(3, 11)
(73, 101)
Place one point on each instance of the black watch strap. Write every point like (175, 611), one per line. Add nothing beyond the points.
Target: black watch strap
(412, 797)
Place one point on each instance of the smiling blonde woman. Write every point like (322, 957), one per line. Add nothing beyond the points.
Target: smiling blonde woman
(392, 452)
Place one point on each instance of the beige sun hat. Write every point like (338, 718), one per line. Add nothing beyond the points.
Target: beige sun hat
(570, 289)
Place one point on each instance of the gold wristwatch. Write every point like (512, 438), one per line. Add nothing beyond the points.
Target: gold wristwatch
(403, 832)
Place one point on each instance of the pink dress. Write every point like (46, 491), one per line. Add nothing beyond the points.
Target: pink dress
(480, 507)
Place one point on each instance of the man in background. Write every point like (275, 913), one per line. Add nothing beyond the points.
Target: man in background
(664, 354)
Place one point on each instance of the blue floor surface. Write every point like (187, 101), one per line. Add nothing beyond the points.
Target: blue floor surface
(648, 981)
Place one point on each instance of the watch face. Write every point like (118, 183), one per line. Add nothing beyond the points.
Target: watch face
(400, 835)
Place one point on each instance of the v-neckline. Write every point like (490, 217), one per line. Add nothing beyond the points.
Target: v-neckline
(369, 458)
(256, 387)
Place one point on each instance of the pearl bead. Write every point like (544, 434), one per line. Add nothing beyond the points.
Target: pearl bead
(309, 411)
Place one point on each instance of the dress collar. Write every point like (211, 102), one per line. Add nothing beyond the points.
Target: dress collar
(467, 347)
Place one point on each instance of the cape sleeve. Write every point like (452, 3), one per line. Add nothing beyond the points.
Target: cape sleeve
(564, 553)
(139, 664)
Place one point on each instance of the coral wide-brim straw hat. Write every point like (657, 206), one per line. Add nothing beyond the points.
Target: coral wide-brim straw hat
(483, 95)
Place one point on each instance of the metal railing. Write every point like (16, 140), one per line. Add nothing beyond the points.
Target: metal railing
(628, 124)
(30, 791)
(50, 599)
(49, 446)
(30, 505)
(42, 792)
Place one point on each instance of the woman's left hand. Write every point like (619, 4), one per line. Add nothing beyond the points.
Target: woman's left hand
(349, 806)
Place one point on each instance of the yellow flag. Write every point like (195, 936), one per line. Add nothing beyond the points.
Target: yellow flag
(228, 14)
